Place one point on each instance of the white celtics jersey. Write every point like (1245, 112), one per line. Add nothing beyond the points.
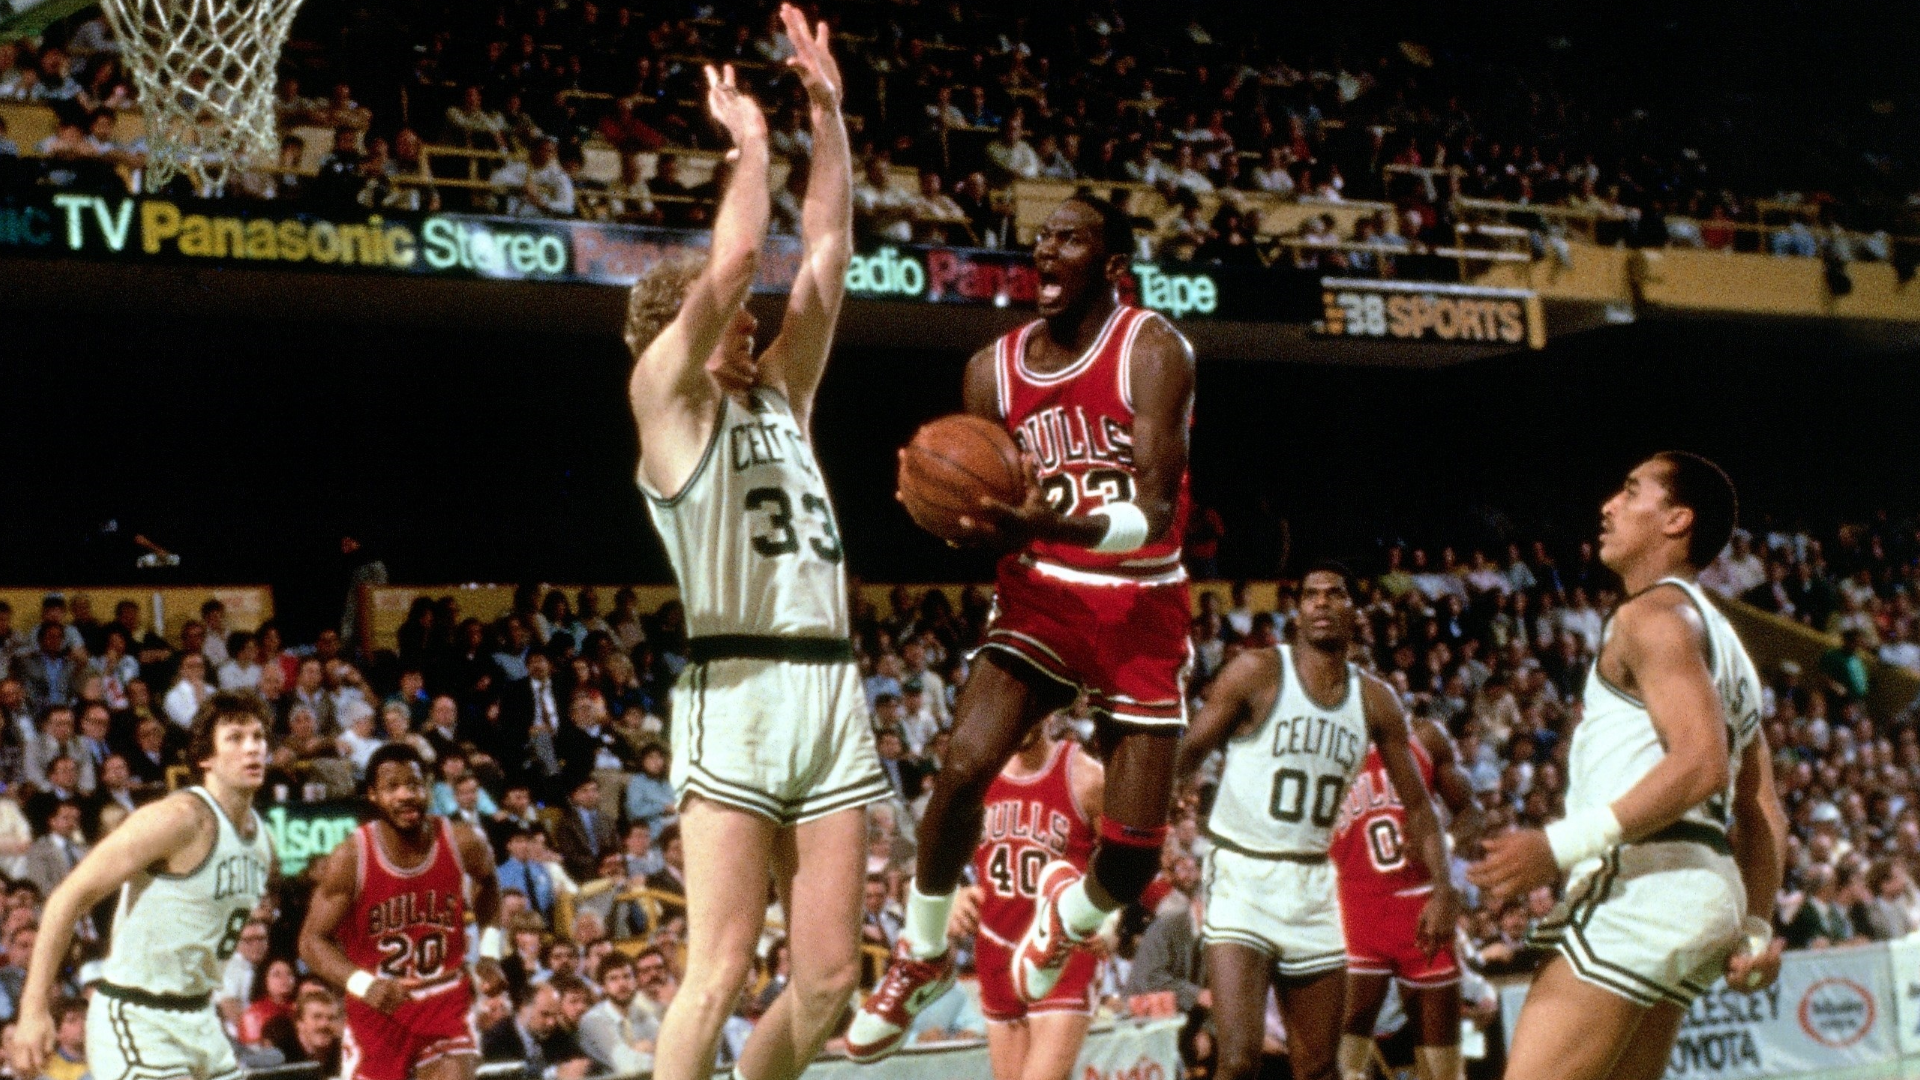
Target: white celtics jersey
(1282, 785)
(173, 933)
(1616, 744)
(751, 534)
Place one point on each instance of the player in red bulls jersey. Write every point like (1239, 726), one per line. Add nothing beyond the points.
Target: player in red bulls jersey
(1090, 597)
(1041, 807)
(1382, 891)
(388, 923)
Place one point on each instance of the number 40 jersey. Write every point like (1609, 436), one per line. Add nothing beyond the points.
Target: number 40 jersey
(751, 534)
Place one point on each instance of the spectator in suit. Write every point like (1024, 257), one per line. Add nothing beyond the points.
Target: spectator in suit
(879, 924)
(58, 850)
(57, 739)
(904, 774)
(519, 870)
(149, 759)
(47, 672)
(471, 803)
(442, 730)
(310, 691)
(115, 789)
(529, 1038)
(672, 875)
(584, 832)
(587, 745)
(530, 718)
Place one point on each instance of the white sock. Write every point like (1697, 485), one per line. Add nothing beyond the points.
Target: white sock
(736, 1074)
(926, 930)
(1078, 911)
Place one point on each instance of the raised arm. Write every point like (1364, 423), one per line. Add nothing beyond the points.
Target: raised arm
(1237, 700)
(1387, 727)
(670, 365)
(798, 356)
(147, 838)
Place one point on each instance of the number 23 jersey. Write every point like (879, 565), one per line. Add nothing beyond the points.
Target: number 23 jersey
(751, 534)
(1283, 783)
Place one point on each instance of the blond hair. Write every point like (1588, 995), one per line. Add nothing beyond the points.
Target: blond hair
(658, 294)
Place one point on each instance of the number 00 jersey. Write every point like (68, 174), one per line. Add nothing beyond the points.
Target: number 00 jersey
(1616, 743)
(1370, 835)
(173, 933)
(1078, 423)
(1281, 787)
(409, 924)
(751, 534)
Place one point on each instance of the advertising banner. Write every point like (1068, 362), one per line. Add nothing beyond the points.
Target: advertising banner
(1830, 1010)
(1125, 1051)
(1904, 960)
(266, 235)
(307, 832)
(1430, 311)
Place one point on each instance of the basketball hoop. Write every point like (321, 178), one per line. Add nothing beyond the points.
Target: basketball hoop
(205, 73)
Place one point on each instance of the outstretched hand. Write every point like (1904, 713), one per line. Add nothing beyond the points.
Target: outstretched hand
(734, 109)
(812, 60)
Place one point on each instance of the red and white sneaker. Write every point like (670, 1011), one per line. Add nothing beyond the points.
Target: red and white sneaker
(904, 992)
(1042, 952)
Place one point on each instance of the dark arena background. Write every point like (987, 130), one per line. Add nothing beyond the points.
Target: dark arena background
(1449, 270)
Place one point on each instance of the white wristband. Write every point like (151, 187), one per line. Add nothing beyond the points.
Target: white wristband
(1583, 835)
(359, 983)
(1759, 934)
(1126, 528)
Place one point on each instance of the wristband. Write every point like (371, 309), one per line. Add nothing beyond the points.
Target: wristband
(1583, 835)
(1126, 528)
(359, 983)
(1759, 934)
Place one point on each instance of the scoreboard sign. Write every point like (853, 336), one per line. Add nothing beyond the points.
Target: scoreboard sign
(1422, 311)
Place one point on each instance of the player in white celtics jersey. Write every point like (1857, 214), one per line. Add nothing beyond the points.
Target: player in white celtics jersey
(191, 870)
(1674, 837)
(773, 755)
(1295, 721)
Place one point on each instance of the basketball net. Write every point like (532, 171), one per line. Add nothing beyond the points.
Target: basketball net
(204, 70)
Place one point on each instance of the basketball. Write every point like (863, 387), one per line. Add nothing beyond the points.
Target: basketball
(951, 464)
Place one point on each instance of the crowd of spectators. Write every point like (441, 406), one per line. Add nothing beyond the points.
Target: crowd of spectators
(1102, 91)
(547, 730)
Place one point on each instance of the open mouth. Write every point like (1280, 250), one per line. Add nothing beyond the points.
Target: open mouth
(1050, 292)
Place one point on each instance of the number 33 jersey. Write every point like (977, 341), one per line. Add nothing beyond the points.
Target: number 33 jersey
(751, 534)
(409, 923)
(1283, 783)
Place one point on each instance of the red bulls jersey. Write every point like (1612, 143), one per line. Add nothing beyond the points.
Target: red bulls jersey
(409, 923)
(1078, 423)
(1029, 821)
(1370, 834)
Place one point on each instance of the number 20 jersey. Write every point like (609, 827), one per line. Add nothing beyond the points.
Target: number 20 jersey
(1078, 424)
(409, 923)
(1283, 783)
(751, 534)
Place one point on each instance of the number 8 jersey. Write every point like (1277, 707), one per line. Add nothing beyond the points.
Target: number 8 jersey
(1283, 784)
(751, 534)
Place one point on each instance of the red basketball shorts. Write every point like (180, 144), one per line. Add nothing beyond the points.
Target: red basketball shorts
(381, 1047)
(1381, 940)
(1123, 641)
(999, 1001)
